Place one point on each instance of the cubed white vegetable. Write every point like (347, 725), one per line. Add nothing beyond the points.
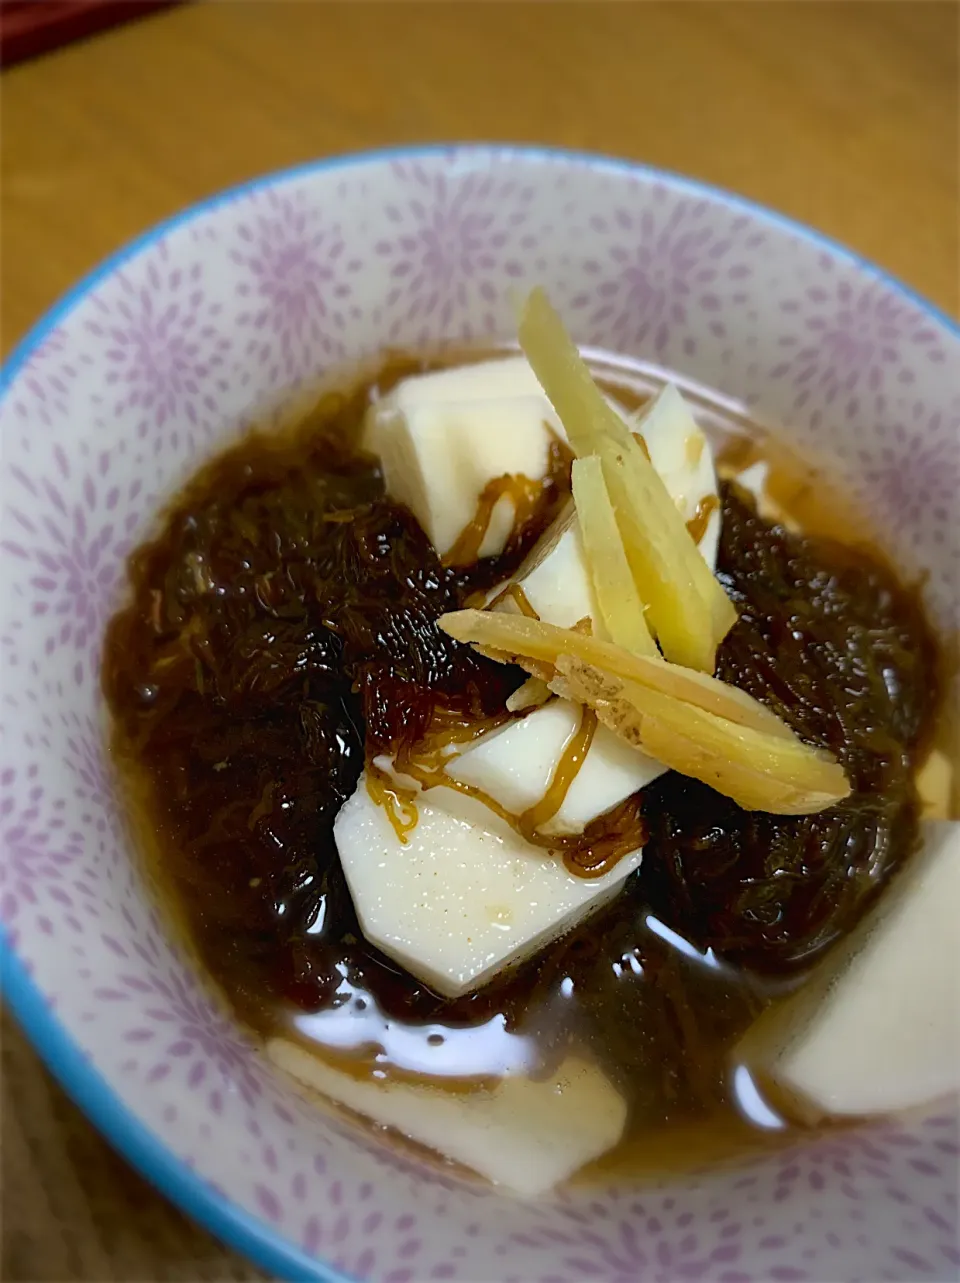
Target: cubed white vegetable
(754, 479)
(439, 456)
(443, 437)
(464, 897)
(524, 1135)
(516, 763)
(883, 1035)
(505, 377)
(554, 576)
(682, 456)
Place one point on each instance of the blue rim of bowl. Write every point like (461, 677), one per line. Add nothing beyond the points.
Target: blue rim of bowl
(72, 1067)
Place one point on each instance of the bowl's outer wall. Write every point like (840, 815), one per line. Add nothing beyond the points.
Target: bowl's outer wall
(173, 348)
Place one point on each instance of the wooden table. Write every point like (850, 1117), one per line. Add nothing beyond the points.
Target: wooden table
(844, 115)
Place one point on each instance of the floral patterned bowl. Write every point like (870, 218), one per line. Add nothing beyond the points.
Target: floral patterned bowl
(160, 356)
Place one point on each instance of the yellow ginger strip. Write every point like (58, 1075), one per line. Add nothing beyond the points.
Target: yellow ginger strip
(760, 772)
(686, 605)
(616, 595)
(515, 638)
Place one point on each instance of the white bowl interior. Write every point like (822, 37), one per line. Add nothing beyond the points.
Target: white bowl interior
(171, 349)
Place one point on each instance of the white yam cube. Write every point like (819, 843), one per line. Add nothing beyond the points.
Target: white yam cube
(754, 480)
(439, 456)
(443, 437)
(554, 576)
(515, 764)
(682, 456)
(523, 1134)
(465, 896)
(505, 377)
(882, 1033)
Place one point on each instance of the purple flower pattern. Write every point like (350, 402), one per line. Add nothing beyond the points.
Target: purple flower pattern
(851, 345)
(807, 1197)
(915, 474)
(640, 1242)
(179, 1027)
(71, 527)
(260, 294)
(833, 1162)
(662, 272)
(164, 351)
(911, 467)
(38, 850)
(455, 244)
(294, 287)
(48, 376)
(330, 1231)
(93, 780)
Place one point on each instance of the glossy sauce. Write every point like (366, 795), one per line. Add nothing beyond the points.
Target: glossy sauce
(571, 759)
(281, 632)
(514, 593)
(589, 854)
(697, 525)
(524, 496)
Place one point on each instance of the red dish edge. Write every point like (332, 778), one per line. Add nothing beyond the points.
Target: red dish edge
(32, 27)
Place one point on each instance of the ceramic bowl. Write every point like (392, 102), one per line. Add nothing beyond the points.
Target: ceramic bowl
(162, 355)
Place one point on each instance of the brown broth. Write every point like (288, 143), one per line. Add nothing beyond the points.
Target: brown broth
(281, 630)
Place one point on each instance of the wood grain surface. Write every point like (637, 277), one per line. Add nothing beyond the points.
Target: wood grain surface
(844, 115)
